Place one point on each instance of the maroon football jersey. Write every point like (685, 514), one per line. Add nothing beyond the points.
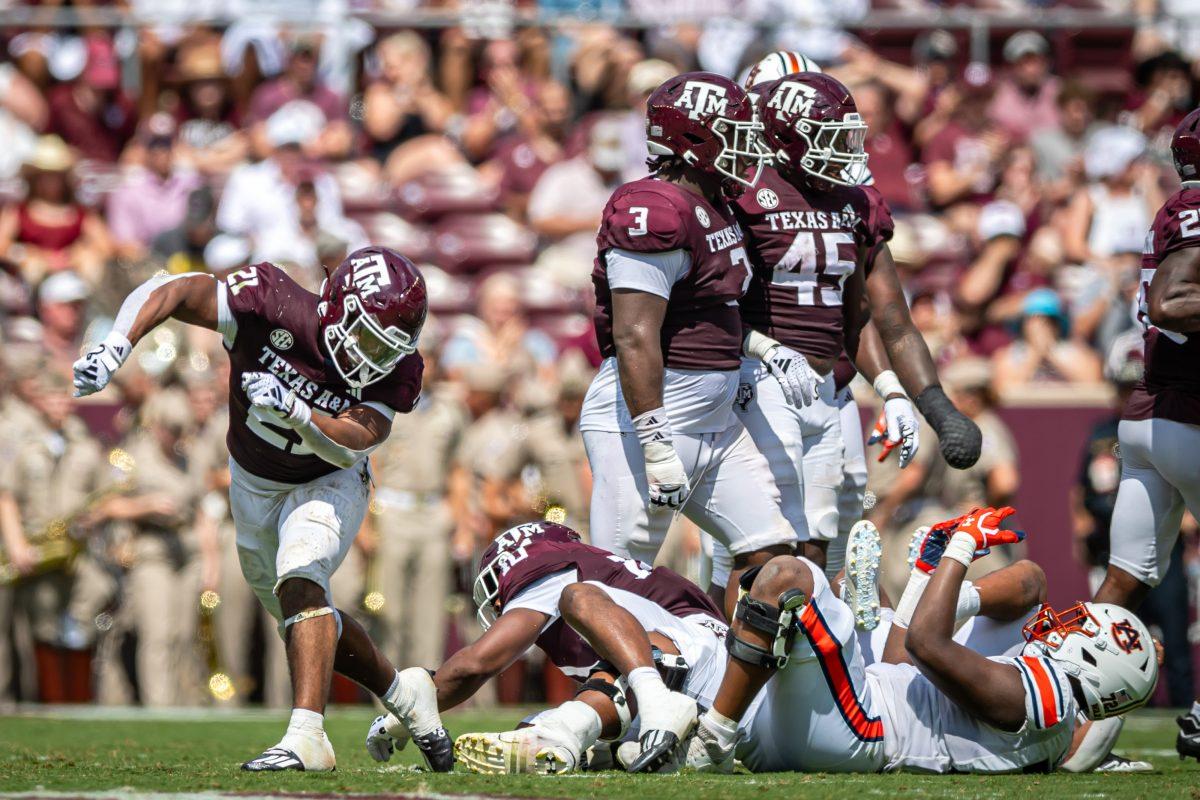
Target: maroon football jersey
(702, 328)
(277, 332)
(1170, 387)
(561, 644)
(803, 244)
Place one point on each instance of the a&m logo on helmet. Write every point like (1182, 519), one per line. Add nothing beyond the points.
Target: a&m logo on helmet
(1126, 636)
(792, 99)
(703, 99)
(369, 274)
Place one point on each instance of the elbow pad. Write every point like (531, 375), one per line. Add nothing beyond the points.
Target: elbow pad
(959, 439)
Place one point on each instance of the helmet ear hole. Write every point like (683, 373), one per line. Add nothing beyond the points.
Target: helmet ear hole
(1088, 657)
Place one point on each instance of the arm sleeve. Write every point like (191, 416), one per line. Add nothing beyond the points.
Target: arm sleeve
(226, 323)
(1047, 692)
(542, 595)
(654, 273)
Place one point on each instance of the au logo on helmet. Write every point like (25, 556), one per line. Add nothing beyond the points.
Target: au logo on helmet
(702, 99)
(1126, 636)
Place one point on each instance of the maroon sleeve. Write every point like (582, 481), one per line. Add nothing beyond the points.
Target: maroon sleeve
(1177, 226)
(249, 291)
(643, 221)
(399, 390)
(877, 218)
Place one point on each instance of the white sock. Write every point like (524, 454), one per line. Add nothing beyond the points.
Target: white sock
(574, 723)
(968, 602)
(391, 699)
(647, 685)
(724, 728)
(306, 723)
(1195, 712)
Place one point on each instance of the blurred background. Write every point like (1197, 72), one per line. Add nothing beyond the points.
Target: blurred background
(1022, 147)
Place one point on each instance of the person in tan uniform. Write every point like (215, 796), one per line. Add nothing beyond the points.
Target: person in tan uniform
(411, 524)
(164, 486)
(929, 490)
(47, 480)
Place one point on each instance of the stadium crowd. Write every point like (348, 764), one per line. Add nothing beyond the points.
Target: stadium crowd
(1022, 191)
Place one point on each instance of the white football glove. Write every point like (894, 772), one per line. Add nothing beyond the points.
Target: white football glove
(96, 368)
(267, 392)
(800, 383)
(386, 735)
(669, 485)
(903, 429)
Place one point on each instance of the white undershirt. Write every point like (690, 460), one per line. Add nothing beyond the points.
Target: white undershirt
(653, 273)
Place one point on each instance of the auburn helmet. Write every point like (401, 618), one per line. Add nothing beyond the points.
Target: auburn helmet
(708, 121)
(774, 66)
(1185, 147)
(813, 128)
(371, 313)
(1104, 648)
(505, 551)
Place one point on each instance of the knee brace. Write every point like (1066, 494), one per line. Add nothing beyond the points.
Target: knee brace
(779, 621)
(312, 613)
(615, 692)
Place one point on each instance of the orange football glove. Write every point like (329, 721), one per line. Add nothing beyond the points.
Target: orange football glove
(879, 434)
(983, 524)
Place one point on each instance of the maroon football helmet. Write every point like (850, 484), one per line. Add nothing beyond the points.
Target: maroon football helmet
(708, 121)
(813, 128)
(1185, 147)
(507, 550)
(371, 312)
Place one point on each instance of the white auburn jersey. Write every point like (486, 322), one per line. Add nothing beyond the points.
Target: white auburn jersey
(925, 731)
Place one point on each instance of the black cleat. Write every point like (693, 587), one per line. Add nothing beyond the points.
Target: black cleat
(1187, 743)
(437, 749)
(659, 751)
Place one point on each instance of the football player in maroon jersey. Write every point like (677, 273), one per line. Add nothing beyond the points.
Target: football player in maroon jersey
(657, 421)
(601, 618)
(314, 384)
(1159, 433)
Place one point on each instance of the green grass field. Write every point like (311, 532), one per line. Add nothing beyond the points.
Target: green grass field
(125, 753)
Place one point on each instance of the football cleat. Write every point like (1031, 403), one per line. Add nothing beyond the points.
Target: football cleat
(665, 729)
(297, 753)
(1115, 763)
(519, 752)
(705, 753)
(1187, 743)
(861, 587)
(914, 545)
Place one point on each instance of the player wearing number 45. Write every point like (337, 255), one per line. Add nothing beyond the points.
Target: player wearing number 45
(658, 421)
(314, 385)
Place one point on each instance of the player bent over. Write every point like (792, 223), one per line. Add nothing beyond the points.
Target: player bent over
(821, 709)
(314, 383)
(612, 622)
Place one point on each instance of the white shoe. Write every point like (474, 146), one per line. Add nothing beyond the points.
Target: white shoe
(519, 752)
(705, 753)
(861, 588)
(1116, 763)
(666, 725)
(914, 545)
(295, 752)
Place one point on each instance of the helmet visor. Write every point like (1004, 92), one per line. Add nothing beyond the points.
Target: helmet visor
(1051, 627)
(836, 150)
(361, 349)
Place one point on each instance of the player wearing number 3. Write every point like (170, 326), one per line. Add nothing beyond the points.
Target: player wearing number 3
(657, 421)
(314, 384)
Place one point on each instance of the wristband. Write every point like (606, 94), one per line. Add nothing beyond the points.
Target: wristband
(119, 344)
(757, 345)
(887, 385)
(917, 581)
(653, 426)
(961, 548)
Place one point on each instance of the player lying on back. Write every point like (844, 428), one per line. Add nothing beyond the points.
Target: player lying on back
(821, 709)
(611, 622)
(315, 381)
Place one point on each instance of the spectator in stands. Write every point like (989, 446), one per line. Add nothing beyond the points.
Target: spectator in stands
(300, 85)
(1026, 98)
(566, 203)
(49, 231)
(963, 157)
(933, 56)
(92, 113)
(501, 335)
(153, 196)
(509, 101)
(1042, 352)
(522, 157)
(210, 137)
(1059, 149)
(891, 155)
(23, 112)
(259, 200)
(644, 78)
(62, 310)
(404, 115)
(1164, 95)
(990, 276)
(181, 249)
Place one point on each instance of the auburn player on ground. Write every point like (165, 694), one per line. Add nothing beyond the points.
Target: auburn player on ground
(671, 264)
(314, 384)
(797, 696)
(614, 623)
(1159, 433)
